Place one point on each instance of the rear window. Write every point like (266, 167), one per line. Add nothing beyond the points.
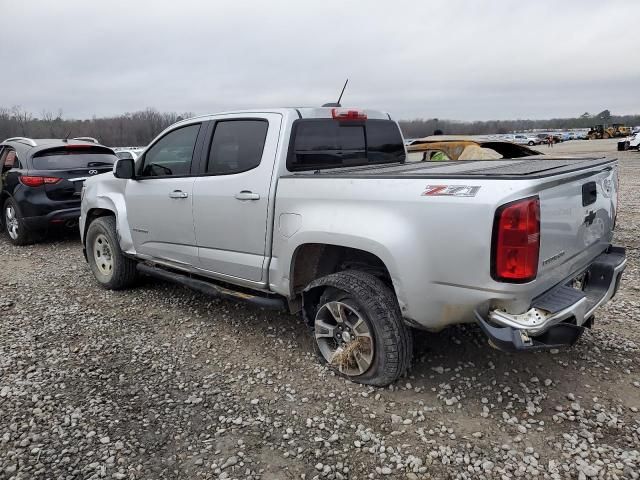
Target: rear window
(328, 143)
(69, 158)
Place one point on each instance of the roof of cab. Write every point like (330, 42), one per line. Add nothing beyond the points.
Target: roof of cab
(300, 112)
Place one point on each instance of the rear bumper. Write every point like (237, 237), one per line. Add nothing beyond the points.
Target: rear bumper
(558, 317)
(57, 217)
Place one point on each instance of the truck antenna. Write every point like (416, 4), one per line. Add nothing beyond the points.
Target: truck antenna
(337, 104)
(342, 92)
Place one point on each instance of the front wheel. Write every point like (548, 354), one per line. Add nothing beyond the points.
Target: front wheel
(359, 331)
(531, 144)
(110, 267)
(14, 224)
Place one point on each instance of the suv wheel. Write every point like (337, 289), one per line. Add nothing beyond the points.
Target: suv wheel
(531, 143)
(359, 331)
(111, 268)
(14, 224)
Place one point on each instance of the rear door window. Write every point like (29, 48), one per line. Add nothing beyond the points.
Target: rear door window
(65, 158)
(171, 156)
(236, 146)
(327, 143)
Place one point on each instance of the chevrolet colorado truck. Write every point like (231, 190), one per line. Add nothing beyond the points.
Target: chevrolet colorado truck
(315, 211)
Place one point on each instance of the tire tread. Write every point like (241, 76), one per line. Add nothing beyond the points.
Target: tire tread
(396, 338)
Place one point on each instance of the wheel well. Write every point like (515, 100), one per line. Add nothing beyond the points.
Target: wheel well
(92, 215)
(315, 260)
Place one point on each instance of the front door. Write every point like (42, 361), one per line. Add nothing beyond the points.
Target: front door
(160, 199)
(231, 202)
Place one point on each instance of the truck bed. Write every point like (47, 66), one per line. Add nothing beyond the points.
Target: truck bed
(508, 169)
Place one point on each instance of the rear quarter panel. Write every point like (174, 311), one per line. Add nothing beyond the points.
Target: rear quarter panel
(432, 246)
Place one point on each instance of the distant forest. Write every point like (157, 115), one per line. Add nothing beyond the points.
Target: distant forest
(425, 127)
(139, 128)
(129, 129)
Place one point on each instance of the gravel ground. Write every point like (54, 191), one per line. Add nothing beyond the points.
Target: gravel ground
(160, 382)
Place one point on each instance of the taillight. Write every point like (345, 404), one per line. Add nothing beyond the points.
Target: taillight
(516, 241)
(346, 114)
(31, 181)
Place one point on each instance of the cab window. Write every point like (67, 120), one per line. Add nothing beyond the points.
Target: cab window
(236, 146)
(172, 155)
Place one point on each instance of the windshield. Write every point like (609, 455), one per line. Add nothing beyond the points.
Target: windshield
(328, 143)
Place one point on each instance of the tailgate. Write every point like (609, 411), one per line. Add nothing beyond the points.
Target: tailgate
(577, 216)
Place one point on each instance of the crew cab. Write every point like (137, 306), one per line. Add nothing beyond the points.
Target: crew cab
(315, 211)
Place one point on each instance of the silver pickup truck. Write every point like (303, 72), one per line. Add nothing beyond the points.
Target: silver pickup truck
(315, 211)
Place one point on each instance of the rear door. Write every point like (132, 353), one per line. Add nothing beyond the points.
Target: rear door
(159, 201)
(231, 199)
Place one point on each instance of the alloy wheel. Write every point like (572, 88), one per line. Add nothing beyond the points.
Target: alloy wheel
(344, 338)
(11, 222)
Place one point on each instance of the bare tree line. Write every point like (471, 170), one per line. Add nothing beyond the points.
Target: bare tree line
(129, 129)
(139, 128)
(425, 127)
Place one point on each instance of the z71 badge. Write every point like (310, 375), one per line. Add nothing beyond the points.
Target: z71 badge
(450, 191)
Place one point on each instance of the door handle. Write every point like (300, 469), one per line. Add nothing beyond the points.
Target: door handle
(247, 195)
(178, 194)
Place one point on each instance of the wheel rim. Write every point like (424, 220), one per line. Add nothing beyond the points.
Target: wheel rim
(344, 338)
(102, 254)
(11, 221)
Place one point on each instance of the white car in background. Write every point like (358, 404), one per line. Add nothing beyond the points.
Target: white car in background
(129, 153)
(631, 142)
(524, 139)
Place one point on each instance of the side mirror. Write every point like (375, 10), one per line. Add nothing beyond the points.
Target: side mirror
(124, 168)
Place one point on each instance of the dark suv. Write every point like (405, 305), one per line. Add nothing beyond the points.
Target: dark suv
(41, 182)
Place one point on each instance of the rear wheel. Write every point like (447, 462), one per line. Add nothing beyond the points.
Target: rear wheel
(359, 331)
(14, 224)
(112, 269)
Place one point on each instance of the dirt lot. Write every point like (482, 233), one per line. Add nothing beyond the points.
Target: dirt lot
(160, 382)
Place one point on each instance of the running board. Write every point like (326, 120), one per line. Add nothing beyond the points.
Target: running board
(212, 289)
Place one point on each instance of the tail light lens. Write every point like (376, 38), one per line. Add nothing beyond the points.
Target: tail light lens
(31, 181)
(516, 241)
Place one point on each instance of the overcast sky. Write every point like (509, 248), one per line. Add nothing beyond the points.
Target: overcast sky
(454, 59)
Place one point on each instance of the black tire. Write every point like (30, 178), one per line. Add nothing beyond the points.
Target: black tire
(376, 303)
(120, 271)
(531, 144)
(15, 227)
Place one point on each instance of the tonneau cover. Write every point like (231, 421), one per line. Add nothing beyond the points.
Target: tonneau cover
(532, 167)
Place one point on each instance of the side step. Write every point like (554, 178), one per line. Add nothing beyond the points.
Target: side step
(209, 288)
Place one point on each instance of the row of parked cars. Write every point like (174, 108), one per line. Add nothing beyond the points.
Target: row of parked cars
(320, 212)
(539, 138)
